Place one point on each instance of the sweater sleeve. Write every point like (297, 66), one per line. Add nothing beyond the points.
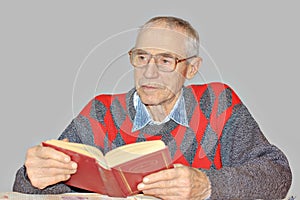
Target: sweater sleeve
(22, 183)
(252, 167)
(78, 131)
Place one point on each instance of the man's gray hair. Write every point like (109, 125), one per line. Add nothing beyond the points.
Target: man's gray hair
(174, 23)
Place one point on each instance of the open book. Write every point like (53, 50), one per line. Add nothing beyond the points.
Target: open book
(118, 172)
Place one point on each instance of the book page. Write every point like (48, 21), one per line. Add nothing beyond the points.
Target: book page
(132, 151)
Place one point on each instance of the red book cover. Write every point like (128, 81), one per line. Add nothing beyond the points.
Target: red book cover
(131, 173)
(118, 181)
(88, 176)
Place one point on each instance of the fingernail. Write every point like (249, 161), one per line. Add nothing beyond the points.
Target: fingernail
(140, 186)
(67, 159)
(146, 180)
(74, 165)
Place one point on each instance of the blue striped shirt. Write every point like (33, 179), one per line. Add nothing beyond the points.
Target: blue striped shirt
(143, 117)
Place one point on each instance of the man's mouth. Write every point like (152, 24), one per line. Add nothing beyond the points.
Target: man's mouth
(149, 87)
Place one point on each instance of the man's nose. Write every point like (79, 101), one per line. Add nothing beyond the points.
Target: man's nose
(151, 70)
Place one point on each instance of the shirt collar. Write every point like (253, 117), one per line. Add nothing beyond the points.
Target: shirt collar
(143, 117)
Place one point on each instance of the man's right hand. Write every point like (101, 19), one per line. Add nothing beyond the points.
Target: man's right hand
(46, 166)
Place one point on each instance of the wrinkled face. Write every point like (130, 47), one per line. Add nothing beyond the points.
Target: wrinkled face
(157, 87)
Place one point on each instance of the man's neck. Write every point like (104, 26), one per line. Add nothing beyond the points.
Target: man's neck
(161, 111)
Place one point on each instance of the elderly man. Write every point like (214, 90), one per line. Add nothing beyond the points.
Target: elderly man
(218, 147)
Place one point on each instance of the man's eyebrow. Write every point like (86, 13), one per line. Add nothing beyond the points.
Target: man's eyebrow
(166, 54)
(141, 51)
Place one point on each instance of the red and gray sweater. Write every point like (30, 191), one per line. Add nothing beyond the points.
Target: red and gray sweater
(222, 139)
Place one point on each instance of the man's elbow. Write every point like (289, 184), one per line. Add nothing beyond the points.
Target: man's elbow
(285, 181)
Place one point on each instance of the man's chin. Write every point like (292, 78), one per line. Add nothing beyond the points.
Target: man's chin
(147, 93)
(150, 101)
(151, 97)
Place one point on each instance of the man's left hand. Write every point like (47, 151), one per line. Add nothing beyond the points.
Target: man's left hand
(180, 182)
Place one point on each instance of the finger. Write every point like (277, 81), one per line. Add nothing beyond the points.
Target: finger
(164, 197)
(172, 197)
(183, 192)
(174, 183)
(43, 182)
(49, 172)
(65, 139)
(163, 175)
(49, 163)
(42, 177)
(50, 153)
(177, 193)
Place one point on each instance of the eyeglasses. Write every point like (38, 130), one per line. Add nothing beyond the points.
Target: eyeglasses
(165, 62)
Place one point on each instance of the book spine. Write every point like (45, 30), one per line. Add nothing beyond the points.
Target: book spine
(111, 184)
(131, 173)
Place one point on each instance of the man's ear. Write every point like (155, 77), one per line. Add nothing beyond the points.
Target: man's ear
(193, 67)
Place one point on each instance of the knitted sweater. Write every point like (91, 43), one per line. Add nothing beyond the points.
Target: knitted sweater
(223, 140)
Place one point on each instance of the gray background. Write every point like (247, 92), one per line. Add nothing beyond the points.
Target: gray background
(55, 55)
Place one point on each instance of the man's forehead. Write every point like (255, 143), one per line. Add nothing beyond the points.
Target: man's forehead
(162, 38)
